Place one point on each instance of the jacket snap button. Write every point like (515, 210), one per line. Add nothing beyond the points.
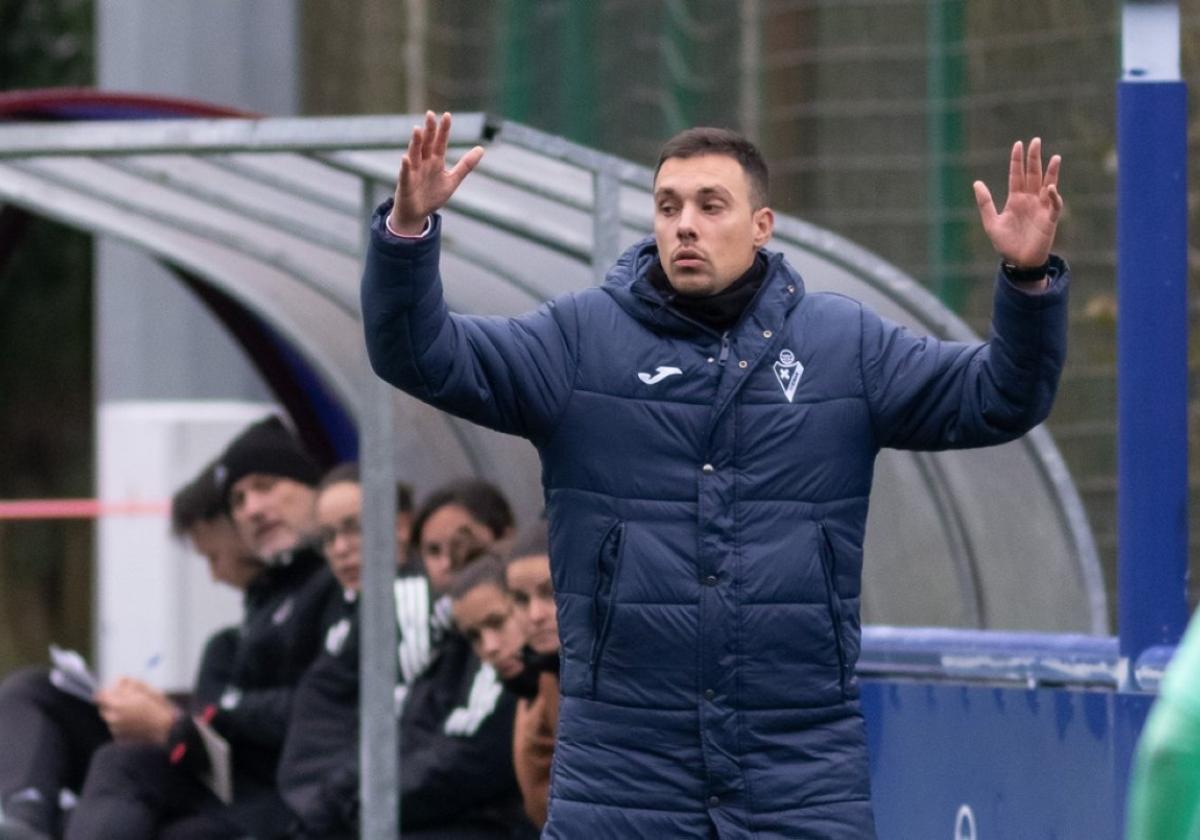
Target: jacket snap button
(791, 290)
(711, 360)
(714, 801)
(742, 363)
(767, 333)
(708, 468)
(711, 580)
(709, 694)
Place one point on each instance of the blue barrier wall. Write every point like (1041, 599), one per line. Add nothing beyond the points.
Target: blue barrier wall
(968, 761)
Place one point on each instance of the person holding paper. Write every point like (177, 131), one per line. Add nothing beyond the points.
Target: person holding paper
(215, 774)
(52, 721)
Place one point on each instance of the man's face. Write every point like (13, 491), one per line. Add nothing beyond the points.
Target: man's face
(272, 513)
(529, 582)
(705, 224)
(445, 535)
(485, 615)
(229, 561)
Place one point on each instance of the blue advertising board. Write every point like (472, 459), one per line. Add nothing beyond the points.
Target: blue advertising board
(975, 761)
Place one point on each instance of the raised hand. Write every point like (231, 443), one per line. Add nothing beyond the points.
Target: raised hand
(1023, 232)
(424, 184)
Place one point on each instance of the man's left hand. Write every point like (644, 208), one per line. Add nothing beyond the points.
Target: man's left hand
(1023, 233)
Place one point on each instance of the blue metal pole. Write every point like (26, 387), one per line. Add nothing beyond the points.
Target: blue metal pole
(1152, 461)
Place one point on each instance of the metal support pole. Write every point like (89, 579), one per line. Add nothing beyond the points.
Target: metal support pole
(379, 754)
(1152, 342)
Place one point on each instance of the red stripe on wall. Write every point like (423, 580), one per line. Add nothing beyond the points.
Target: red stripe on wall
(79, 508)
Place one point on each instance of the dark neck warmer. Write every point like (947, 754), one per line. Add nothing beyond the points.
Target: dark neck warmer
(525, 684)
(721, 311)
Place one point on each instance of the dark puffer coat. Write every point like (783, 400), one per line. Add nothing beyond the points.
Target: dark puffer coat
(707, 497)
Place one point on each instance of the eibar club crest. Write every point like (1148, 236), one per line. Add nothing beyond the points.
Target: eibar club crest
(788, 371)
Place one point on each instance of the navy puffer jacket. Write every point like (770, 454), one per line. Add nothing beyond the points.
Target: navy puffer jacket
(707, 498)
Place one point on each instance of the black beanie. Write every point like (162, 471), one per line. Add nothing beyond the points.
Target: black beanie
(266, 447)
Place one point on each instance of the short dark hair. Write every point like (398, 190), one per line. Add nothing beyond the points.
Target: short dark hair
(487, 569)
(200, 500)
(481, 499)
(704, 140)
(349, 472)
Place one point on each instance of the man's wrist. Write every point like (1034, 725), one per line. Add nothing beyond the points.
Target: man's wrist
(406, 231)
(1032, 280)
(1025, 275)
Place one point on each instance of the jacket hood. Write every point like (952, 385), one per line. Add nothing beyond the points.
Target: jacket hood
(629, 286)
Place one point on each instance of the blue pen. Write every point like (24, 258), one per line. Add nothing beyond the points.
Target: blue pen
(151, 666)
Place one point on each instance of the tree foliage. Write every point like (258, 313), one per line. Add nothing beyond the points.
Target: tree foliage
(45, 363)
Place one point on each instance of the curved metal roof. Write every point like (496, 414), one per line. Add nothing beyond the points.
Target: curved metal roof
(265, 219)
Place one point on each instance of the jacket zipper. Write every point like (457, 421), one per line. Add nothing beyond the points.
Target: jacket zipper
(834, 603)
(724, 348)
(602, 599)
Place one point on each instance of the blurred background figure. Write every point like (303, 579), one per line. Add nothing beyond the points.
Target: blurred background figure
(1164, 793)
(527, 576)
(322, 735)
(455, 719)
(50, 736)
(469, 511)
(140, 791)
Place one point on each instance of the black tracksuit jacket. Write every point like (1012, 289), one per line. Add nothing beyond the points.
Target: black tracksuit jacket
(288, 610)
(456, 773)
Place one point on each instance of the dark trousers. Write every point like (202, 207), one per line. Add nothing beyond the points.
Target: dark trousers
(47, 739)
(134, 793)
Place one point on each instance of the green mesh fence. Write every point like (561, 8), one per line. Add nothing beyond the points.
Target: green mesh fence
(876, 115)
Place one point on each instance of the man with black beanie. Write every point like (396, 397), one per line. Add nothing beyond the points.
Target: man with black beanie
(49, 735)
(132, 791)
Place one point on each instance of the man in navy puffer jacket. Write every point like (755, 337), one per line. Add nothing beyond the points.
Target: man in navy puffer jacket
(708, 433)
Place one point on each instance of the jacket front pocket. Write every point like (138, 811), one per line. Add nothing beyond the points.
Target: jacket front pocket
(834, 603)
(608, 568)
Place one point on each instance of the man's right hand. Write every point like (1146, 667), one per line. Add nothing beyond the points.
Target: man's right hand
(424, 184)
(134, 711)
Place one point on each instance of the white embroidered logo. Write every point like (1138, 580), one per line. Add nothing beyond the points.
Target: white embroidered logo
(660, 373)
(788, 371)
(486, 689)
(29, 794)
(335, 637)
(282, 613)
